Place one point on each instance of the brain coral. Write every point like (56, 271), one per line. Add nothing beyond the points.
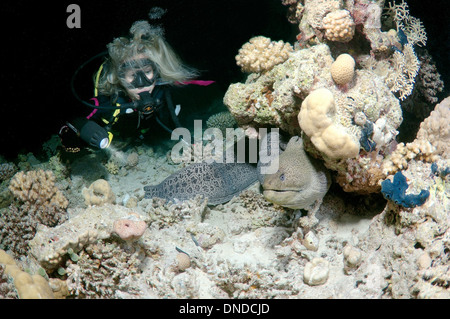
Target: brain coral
(343, 69)
(261, 54)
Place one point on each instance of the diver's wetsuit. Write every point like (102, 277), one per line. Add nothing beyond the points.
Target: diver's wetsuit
(125, 121)
(132, 118)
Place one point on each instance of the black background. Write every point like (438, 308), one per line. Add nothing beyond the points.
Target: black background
(40, 53)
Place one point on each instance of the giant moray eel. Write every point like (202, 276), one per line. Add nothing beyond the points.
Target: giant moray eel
(300, 181)
(219, 182)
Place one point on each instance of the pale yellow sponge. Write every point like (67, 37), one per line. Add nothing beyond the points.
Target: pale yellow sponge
(339, 26)
(316, 119)
(261, 54)
(343, 69)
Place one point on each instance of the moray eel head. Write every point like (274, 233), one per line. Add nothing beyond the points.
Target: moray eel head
(299, 181)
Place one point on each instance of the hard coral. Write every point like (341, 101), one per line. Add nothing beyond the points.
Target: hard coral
(27, 286)
(401, 77)
(343, 69)
(436, 129)
(339, 26)
(316, 118)
(98, 193)
(261, 54)
(102, 271)
(7, 170)
(19, 225)
(37, 188)
(222, 121)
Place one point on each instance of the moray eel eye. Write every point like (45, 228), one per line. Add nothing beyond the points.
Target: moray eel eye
(282, 177)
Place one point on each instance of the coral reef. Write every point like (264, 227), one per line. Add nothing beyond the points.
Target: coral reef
(316, 119)
(436, 130)
(382, 229)
(101, 270)
(7, 170)
(130, 228)
(343, 69)
(112, 167)
(222, 121)
(27, 286)
(37, 188)
(339, 26)
(98, 193)
(261, 54)
(395, 190)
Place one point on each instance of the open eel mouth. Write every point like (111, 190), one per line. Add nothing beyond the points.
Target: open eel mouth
(286, 198)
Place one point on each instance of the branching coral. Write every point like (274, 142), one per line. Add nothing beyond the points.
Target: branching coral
(419, 149)
(18, 225)
(261, 54)
(112, 167)
(101, 270)
(37, 188)
(42, 203)
(7, 290)
(413, 27)
(7, 170)
(429, 80)
(405, 68)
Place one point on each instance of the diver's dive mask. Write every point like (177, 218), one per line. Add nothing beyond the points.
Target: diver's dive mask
(138, 73)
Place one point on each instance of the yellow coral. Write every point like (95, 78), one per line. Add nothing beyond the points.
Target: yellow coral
(37, 188)
(418, 149)
(112, 168)
(316, 118)
(27, 286)
(261, 54)
(343, 69)
(339, 26)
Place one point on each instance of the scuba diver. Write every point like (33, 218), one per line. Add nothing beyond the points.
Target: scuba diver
(133, 84)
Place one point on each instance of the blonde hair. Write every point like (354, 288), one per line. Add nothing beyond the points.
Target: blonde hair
(148, 41)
